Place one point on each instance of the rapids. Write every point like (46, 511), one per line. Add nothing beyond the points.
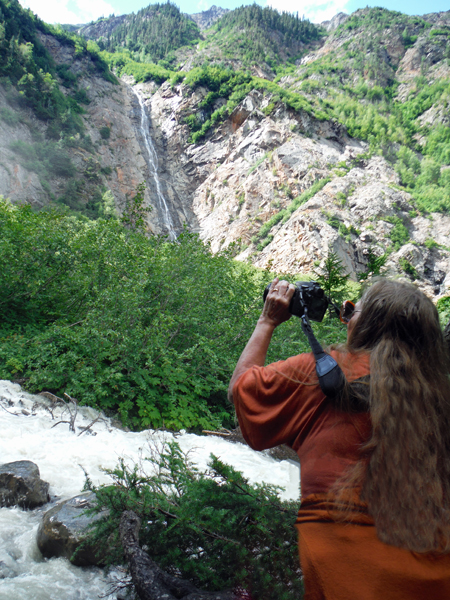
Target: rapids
(28, 432)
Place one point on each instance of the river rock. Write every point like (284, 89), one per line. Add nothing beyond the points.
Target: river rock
(21, 485)
(63, 530)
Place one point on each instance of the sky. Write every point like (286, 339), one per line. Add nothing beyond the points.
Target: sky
(85, 11)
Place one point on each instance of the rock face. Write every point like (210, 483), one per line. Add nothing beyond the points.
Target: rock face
(102, 27)
(63, 529)
(255, 164)
(208, 17)
(242, 187)
(21, 485)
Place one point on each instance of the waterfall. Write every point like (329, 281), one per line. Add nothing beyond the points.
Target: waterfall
(28, 433)
(152, 163)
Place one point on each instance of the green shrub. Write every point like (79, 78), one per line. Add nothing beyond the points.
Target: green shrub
(408, 268)
(443, 306)
(111, 317)
(215, 529)
(10, 117)
(105, 132)
(399, 235)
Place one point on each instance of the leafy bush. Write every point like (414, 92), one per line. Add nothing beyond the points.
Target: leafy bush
(142, 326)
(215, 529)
(105, 132)
(121, 62)
(399, 234)
(408, 268)
(9, 116)
(443, 306)
(112, 317)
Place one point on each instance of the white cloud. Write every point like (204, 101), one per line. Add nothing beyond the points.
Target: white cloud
(69, 11)
(314, 11)
(202, 5)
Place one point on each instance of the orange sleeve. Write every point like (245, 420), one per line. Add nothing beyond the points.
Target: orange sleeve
(275, 404)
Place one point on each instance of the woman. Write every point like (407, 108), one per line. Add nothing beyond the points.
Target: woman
(374, 522)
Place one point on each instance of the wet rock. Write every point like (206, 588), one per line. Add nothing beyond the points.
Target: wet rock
(64, 528)
(21, 485)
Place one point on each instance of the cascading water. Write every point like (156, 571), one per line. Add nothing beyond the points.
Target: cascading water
(152, 163)
(28, 433)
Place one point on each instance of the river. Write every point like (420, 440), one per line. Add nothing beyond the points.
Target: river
(29, 432)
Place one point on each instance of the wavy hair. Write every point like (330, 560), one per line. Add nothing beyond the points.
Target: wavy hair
(404, 471)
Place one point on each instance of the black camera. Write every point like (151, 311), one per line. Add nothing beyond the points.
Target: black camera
(308, 295)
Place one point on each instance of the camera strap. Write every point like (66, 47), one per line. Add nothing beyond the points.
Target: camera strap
(331, 378)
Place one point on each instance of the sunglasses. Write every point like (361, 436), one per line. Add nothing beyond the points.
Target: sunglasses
(347, 311)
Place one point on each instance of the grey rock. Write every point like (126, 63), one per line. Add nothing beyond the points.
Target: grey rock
(21, 485)
(334, 23)
(63, 530)
(208, 17)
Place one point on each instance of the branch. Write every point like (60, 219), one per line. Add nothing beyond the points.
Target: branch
(84, 429)
(151, 582)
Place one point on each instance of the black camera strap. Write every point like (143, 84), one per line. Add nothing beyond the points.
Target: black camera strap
(331, 377)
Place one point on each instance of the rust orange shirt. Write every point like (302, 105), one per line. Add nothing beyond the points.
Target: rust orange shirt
(282, 403)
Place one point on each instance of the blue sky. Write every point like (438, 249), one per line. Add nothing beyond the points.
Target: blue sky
(84, 11)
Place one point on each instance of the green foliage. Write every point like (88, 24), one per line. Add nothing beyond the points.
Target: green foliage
(122, 63)
(152, 34)
(375, 264)
(284, 214)
(399, 234)
(443, 306)
(430, 244)
(135, 213)
(112, 318)
(408, 268)
(397, 122)
(32, 71)
(226, 83)
(376, 19)
(105, 132)
(262, 36)
(333, 277)
(216, 529)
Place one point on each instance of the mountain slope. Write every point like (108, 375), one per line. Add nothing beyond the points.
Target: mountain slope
(153, 32)
(343, 146)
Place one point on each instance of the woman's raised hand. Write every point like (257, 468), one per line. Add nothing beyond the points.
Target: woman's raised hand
(276, 306)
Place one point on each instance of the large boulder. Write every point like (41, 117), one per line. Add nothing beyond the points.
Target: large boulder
(21, 485)
(64, 529)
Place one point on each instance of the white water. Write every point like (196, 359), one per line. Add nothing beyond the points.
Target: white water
(61, 456)
(152, 162)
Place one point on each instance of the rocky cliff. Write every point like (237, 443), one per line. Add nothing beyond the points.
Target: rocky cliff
(254, 166)
(277, 185)
(206, 18)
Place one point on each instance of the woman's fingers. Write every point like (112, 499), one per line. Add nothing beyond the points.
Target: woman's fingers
(281, 288)
(276, 307)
